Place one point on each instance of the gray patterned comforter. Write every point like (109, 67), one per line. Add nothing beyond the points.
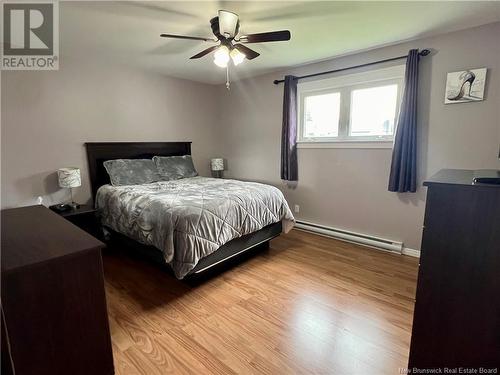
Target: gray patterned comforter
(190, 218)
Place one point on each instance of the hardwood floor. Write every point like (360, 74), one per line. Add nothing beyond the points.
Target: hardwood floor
(309, 304)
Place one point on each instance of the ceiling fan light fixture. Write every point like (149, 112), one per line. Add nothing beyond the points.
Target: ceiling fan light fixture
(221, 56)
(237, 56)
(228, 23)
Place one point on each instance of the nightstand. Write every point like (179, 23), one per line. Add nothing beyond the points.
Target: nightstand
(85, 217)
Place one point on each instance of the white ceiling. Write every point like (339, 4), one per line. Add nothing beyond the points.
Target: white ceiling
(128, 31)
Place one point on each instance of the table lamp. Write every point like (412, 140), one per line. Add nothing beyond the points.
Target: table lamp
(217, 166)
(70, 178)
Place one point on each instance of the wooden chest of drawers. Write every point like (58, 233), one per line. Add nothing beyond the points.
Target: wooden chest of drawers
(53, 299)
(457, 310)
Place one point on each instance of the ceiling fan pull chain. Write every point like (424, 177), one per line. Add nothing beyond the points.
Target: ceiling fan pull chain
(227, 77)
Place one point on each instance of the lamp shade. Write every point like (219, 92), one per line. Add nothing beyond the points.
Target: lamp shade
(69, 177)
(217, 164)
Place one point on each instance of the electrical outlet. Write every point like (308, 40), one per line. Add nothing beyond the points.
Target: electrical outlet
(296, 208)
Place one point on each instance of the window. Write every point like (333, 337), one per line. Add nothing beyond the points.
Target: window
(373, 111)
(321, 115)
(358, 107)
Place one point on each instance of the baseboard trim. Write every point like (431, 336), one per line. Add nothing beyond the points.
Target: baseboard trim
(411, 252)
(353, 237)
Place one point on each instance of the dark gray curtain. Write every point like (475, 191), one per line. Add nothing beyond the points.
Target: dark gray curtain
(289, 131)
(403, 177)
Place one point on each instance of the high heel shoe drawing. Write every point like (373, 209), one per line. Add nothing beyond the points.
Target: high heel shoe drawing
(466, 77)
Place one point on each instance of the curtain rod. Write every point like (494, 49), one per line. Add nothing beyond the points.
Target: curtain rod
(424, 52)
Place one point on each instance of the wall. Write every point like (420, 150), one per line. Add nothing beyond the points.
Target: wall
(347, 188)
(47, 117)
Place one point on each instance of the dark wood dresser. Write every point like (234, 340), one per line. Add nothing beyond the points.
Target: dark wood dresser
(457, 310)
(53, 299)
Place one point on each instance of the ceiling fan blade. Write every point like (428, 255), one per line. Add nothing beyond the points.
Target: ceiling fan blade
(204, 52)
(249, 53)
(228, 23)
(187, 37)
(272, 36)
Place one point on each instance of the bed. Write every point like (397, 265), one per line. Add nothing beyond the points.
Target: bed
(193, 223)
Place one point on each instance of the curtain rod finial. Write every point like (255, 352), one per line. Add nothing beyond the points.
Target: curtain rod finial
(425, 52)
(276, 81)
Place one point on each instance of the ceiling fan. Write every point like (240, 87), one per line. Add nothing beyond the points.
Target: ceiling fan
(230, 46)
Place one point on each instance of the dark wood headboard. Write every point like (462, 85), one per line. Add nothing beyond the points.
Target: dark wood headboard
(99, 152)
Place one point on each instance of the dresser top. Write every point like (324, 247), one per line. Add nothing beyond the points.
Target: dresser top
(35, 234)
(468, 177)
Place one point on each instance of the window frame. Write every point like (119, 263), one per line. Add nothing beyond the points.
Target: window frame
(301, 111)
(345, 84)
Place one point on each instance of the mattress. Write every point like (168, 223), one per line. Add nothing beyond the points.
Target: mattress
(190, 218)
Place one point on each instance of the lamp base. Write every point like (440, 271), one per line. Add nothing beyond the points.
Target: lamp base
(73, 204)
(61, 207)
(217, 174)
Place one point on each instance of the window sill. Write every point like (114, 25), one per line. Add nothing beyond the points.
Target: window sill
(347, 144)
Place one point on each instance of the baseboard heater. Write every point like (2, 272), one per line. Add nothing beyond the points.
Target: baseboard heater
(348, 236)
